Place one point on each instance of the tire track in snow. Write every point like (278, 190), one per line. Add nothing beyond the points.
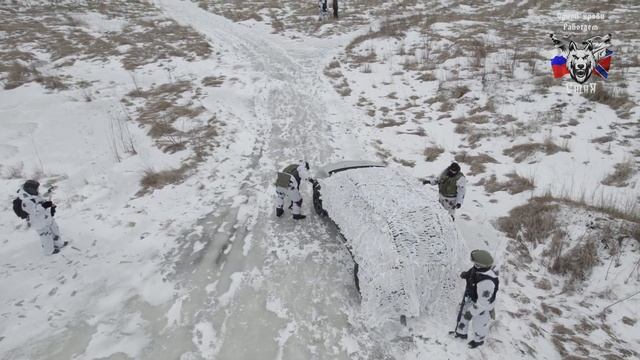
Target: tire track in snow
(287, 295)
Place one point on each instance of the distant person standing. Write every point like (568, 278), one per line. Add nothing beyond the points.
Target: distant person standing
(38, 212)
(451, 186)
(322, 4)
(335, 9)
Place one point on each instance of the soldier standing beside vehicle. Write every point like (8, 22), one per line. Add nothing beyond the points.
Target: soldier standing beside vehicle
(477, 305)
(288, 185)
(451, 186)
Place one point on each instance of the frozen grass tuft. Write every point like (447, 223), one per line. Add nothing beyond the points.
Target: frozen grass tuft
(515, 185)
(620, 101)
(476, 162)
(157, 179)
(522, 152)
(431, 153)
(533, 222)
(623, 172)
(213, 81)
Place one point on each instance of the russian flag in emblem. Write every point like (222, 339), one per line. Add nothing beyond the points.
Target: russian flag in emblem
(602, 67)
(559, 66)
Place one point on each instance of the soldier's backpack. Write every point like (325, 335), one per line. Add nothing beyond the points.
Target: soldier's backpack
(17, 208)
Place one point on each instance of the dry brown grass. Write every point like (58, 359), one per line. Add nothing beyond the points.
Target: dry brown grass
(629, 321)
(577, 262)
(431, 153)
(515, 185)
(18, 74)
(427, 76)
(403, 162)
(623, 172)
(213, 81)
(534, 221)
(49, 28)
(162, 109)
(390, 123)
(602, 139)
(343, 88)
(620, 101)
(476, 162)
(158, 179)
(154, 40)
(521, 152)
(162, 106)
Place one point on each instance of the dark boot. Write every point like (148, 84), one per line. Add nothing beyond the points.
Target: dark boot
(457, 335)
(279, 212)
(56, 249)
(474, 344)
(299, 216)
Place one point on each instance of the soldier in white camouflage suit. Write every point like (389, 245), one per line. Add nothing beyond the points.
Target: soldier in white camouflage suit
(288, 185)
(479, 299)
(451, 186)
(40, 214)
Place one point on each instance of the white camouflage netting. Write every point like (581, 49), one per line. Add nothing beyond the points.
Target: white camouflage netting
(408, 249)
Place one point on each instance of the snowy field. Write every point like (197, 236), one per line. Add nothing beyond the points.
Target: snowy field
(162, 123)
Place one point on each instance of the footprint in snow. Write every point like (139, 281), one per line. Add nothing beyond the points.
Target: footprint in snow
(53, 291)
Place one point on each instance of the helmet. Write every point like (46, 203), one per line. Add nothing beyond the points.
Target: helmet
(31, 187)
(481, 258)
(454, 167)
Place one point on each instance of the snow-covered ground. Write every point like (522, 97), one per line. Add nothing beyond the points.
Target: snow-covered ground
(100, 95)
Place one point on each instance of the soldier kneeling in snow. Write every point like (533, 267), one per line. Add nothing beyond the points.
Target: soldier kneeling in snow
(39, 212)
(288, 185)
(451, 185)
(479, 298)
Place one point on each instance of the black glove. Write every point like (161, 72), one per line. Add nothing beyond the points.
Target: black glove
(313, 181)
(458, 206)
(425, 182)
(464, 274)
(47, 204)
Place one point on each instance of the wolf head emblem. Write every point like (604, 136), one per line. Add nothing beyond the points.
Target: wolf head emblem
(580, 62)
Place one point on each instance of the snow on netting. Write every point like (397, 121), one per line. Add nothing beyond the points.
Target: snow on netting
(409, 251)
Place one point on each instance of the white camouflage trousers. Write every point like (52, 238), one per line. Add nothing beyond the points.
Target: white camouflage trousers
(449, 203)
(50, 237)
(293, 195)
(480, 322)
